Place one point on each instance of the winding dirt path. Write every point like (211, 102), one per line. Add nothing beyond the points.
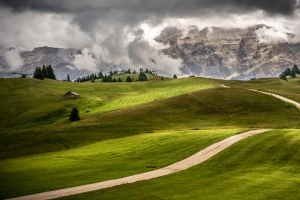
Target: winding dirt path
(280, 97)
(191, 161)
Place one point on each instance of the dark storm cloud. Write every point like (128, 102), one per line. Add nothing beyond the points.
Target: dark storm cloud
(155, 7)
(89, 14)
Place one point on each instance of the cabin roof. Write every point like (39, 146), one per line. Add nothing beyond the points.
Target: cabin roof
(72, 93)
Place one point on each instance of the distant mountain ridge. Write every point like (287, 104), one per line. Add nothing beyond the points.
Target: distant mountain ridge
(230, 53)
(226, 53)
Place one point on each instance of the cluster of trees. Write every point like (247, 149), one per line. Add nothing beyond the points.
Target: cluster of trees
(44, 72)
(90, 77)
(109, 77)
(290, 72)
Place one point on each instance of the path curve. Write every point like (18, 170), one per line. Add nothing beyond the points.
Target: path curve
(191, 161)
(280, 97)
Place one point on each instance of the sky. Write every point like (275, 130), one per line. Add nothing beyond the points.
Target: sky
(122, 31)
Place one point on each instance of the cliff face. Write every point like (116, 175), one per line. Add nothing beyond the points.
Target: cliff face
(230, 53)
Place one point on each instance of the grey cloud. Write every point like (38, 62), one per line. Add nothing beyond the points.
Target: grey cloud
(92, 15)
(152, 7)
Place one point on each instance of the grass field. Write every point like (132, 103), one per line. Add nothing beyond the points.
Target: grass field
(129, 128)
(265, 166)
(103, 161)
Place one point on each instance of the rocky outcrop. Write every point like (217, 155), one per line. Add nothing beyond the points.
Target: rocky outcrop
(230, 53)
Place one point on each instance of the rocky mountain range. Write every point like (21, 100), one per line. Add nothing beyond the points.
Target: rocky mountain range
(61, 59)
(226, 53)
(231, 53)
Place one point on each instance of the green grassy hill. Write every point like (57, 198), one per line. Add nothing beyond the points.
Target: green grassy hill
(126, 127)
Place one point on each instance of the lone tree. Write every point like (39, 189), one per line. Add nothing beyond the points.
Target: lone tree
(174, 76)
(68, 78)
(74, 116)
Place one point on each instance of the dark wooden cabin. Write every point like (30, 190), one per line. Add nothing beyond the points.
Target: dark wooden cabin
(71, 95)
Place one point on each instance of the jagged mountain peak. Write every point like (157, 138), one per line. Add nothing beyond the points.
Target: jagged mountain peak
(241, 53)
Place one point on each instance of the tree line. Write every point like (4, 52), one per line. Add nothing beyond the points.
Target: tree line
(290, 72)
(109, 77)
(44, 72)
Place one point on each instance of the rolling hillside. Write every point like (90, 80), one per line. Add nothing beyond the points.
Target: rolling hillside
(128, 128)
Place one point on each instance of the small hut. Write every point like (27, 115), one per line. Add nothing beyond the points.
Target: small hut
(71, 95)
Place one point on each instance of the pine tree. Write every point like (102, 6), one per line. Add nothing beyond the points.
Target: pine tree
(51, 72)
(287, 72)
(100, 75)
(93, 80)
(45, 72)
(174, 76)
(119, 79)
(293, 73)
(142, 77)
(68, 78)
(74, 116)
(35, 74)
(38, 73)
(297, 70)
(128, 79)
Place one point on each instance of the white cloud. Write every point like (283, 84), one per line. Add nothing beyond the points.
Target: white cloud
(270, 35)
(85, 61)
(14, 59)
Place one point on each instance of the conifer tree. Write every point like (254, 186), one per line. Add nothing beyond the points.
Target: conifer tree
(297, 70)
(100, 75)
(174, 76)
(293, 73)
(287, 72)
(45, 72)
(142, 77)
(119, 79)
(74, 116)
(128, 79)
(68, 78)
